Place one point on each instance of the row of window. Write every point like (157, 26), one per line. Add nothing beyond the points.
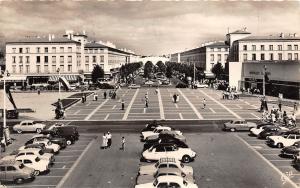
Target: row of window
(94, 59)
(96, 50)
(271, 57)
(218, 49)
(271, 47)
(219, 57)
(39, 50)
(38, 59)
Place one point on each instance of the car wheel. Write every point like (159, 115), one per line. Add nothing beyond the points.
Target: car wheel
(38, 130)
(186, 159)
(19, 131)
(280, 145)
(36, 172)
(232, 129)
(19, 180)
(69, 142)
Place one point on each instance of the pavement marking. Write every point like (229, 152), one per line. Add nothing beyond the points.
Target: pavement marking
(176, 105)
(239, 106)
(114, 107)
(55, 162)
(191, 105)
(58, 156)
(280, 160)
(255, 115)
(269, 163)
(88, 104)
(233, 113)
(130, 105)
(212, 110)
(33, 185)
(95, 110)
(63, 180)
(180, 115)
(250, 104)
(257, 147)
(106, 117)
(77, 112)
(144, 112)
(161, 107)
(64, 166)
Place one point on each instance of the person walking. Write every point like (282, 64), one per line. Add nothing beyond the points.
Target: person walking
(279, 104)
(108, 135)
(146, 103)
(175, 98)
(104, 94)
(295, 107)
(156, 91)
(82, 99)
(104, 141)
(123, 104)
(123, 141)
(39, 91)
(204, 103)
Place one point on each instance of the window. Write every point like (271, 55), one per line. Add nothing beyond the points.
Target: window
(53, 68)
(53, 59)
(38, 59)
(61, 59)
(296, 56)
(295, 47)
(46, 59)
(14, 59)
(61, 49)
(61, 68)
(21, 68)
(27, 59)
(27, 69)
(14, 69)
(69, 68)
(69, 59)
(20, 59)
(101, 58)
(262, 56)
(290, 57)
(38, 69)
(11, 168)
(86, 67)
(38, 50)
(219, 49)
(254, 57)
(160, 149)
(253, 48)
(86, 59)
(53, 49)
(262, 47)
(219, 57)
(271, 57)
(245, 57)
(289, 47)
(280, 47)
(26, 161)
(14, 50)
(270, 47)
(69, 49)
(245, 47)
(280, 56)
(173, 166)
(46, 68)
(2, 168)
(212, 57)
(225, 57)
(27, 50)
(94, 59)
(46, 49)
(20, 50)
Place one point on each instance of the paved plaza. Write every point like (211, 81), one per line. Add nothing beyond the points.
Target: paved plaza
(161, 106)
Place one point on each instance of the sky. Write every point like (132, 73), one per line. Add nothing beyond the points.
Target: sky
(148, 27)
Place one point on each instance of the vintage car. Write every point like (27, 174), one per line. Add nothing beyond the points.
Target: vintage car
(28, 126)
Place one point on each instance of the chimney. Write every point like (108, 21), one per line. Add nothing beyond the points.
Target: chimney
(53, 36)
(50, 37)
(281, 35)
(83, 32)
(295, 34)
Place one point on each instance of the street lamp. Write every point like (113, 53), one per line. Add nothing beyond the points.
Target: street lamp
(58, 71)
(264, 81)
(194, 73)
(5, 74)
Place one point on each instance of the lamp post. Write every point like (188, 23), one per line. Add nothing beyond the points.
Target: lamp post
(4, 73)
(58, 70)
(194, 73)
(264, 81)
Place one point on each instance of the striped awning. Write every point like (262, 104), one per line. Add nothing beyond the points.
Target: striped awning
(54, 78)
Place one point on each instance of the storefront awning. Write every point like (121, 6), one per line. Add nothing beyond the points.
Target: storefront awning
(54, 78)
(15, 78)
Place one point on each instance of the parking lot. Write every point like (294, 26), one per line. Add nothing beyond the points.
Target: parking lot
(64, 161)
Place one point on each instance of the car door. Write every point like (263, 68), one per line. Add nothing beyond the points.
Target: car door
(243, 125)
(159, 152)
(2, 173)
(237, 125)
(23, 126)
(171, 152)
(30, 126)
(291, 139)
(28, 163)
(10, 173)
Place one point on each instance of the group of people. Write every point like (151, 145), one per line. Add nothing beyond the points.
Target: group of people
(277, 115)
(107, 141)
(230, 93)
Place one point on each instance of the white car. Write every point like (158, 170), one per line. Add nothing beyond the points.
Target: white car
(157, 130)
(134, 86)
(168, 181)
(32, 161)
(283, 141)
(38, 153)
(29, 126)
(170, 151)
(165, 163)
(256, 130)
(199, 85)
(47, 142)
(56, 125)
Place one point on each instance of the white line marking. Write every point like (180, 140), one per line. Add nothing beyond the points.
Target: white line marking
(130, 105)
(269, 163)
(212, 110)
(58, 156)
(114, 107)
(161, 107)
(64, 167)
(191, 105)
(95, 110)
(280, 160)
(250, 104)
(88, 104)
(63, 162)
(255, 115)
(233, 113)
(76, 112)
(144, 112)
(106, 117)
(180, 115)
(176, 105)
(63, 180)
(239, 106)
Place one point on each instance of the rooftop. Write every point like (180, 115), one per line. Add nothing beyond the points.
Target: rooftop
(240, 32)
(270, 38)
(217, 44)
(98, 45)
(42, 40)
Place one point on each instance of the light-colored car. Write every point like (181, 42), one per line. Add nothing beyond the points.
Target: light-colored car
(170, 151)
(56, 125)
(200, 85)
(37, 152)
(158, 130)
(168, 181)
(15, 171)
(239, 124)
(29, 126)
(283, 141)
(172, 133)
(149, 82)
(32, 161)
(142, 179)
(134, 86)
(165, 163)
(256, 130)
(47, 142)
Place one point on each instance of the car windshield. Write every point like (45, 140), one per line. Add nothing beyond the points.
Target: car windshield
(33, 122)
(21, 166)
(231, 121)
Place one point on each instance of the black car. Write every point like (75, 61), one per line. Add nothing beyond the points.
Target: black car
(165, 140)
(62, 142)
(291, 151)
(272, 131)
(70, 133)
(150, 126)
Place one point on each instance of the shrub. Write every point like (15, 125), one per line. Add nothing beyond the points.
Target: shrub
(181, 85)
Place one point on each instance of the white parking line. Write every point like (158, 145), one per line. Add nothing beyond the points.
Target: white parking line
(180, 115)
(106, 117)
(130, 105)
(58, 156)
(77, 112)
(176, 106)
(114, 107)
(255, 115)
(239, 106)
(212, 110)
(95, 110)
(280, 160)
(233, 113)
(144, 112)
(269, 163)
(88, 104)
(161, 106)
(191, 105)
(63, 168)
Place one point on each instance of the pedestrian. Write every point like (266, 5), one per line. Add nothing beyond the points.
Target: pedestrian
(104, 141)
(279, 105)
(204, 103)
(156, 91)
(82, 99)
(123, 141)
(146, 103)
(123, 104)
(39, 91)
(295, 107)
(108, 139)
(285, 118)
(96, 96)
(175, 98)
(104, 94)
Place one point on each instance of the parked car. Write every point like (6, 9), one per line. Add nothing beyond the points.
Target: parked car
(150, 126)
(168, 150)
(37, 152)
(28, 126)
(134, 86)
(158, 130)
(70, 133)
(32, 161)
(283, 141)
(168, 181)
(142, 179)
(165, 163)
(38, 146)
(200, 85)
(165, 140)
(48, 144)
(260, 127)
(149, 83)
(238, 124)
(164, 134)
(291, 151)
(62, 142)
(271, 131)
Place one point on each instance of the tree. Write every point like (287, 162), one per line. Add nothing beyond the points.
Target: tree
(169, 72)
(148, 69)
(218, 70)
(97, 73)
(161, 67)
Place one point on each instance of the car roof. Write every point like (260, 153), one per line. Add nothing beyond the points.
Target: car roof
(166, 159)
(168, 178)
(29, 150)
(26, 121)
(170, 170)
(26, 157)
(164, 144)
